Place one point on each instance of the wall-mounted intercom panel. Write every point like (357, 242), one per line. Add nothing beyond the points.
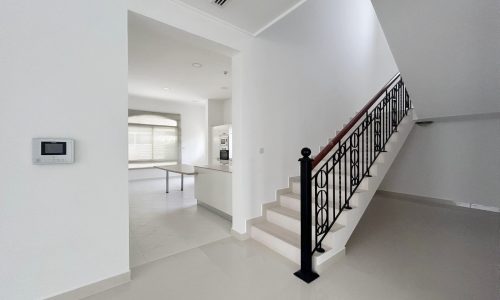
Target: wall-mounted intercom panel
(47, 151)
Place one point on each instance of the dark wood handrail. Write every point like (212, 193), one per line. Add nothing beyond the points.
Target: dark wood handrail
(350, 125)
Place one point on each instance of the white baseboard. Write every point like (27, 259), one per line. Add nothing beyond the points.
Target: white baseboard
(93, 288)
(214, 210)
(240, 236)
(411, 197)
(332, 260)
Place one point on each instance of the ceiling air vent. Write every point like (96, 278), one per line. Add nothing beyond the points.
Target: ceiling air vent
(220, 3)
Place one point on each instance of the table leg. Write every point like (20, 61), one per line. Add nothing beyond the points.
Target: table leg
(182, 182)
(166, 181)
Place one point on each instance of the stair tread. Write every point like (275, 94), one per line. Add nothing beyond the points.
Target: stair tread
(286, 211)
(279, 232)
(292, 195)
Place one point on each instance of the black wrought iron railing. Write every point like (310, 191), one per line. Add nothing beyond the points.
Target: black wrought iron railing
(329, 181)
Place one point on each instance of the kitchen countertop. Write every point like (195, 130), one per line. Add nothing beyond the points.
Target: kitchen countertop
(181, 169)
(221, 168)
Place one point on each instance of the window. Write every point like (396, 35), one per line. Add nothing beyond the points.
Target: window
(153, 138)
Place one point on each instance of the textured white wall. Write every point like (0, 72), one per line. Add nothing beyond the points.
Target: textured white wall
(294, 86)
(63, 74)
(448, 52)
(455, 160)
(193, 131)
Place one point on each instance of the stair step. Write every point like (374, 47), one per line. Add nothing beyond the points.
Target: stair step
(290, 219)
(296, 187)
(373, 169)
(285, 242)
(388, 146)
(287, 236)
(292, 201)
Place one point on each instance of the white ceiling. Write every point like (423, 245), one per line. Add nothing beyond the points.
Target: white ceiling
(161, 57)
(251, 16)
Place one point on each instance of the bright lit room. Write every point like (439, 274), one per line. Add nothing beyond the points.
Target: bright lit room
(250, 149)
(180, 140)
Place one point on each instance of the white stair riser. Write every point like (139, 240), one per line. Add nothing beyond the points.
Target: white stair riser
(293, 203)
(365, 184)
(293, 224)
(373, 168)
(334, 179)
(388, 147)
(287, 250)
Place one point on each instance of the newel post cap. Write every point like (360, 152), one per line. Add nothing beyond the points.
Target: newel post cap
(306, 152)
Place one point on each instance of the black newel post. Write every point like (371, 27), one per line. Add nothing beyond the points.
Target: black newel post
(306, 272)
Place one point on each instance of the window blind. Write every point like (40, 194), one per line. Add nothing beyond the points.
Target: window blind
(153, 143)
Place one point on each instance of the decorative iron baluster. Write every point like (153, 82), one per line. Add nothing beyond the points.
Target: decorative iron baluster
(354, 172)
(321, 200)
(378, 129)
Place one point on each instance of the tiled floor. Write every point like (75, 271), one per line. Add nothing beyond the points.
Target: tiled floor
(164, 224)
(400, 250)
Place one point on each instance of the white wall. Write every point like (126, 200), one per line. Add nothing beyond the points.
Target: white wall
(448, 52)
(193, 131)
(228, 111)
(216, 115)
(215, 112)
(63, 74)
(455, 160)
(294, 86)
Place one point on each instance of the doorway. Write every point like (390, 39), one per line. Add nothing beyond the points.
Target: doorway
(179, 90)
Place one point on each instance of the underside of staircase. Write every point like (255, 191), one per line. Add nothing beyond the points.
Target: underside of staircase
(279, 227)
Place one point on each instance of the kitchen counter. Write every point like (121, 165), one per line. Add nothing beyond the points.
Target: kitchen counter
(218, 167)
(213, 188)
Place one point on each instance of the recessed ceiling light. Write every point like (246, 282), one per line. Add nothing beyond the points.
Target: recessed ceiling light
(197, 65)
(166, 88)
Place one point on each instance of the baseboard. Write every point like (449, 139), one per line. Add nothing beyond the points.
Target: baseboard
(215, 211)
(93, 288)
(240, 236)
(430, 200)
(330, 261)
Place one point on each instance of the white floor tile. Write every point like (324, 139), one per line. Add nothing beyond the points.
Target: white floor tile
(400, 250)
(163, 224)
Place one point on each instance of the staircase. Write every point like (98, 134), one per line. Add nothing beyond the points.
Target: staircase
(337, 185)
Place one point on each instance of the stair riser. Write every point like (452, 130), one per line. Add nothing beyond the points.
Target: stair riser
(373, 168)
(293, 224)
(365, 184)
(388, 147)
(343, 179)
(287, 250)
(294, 204)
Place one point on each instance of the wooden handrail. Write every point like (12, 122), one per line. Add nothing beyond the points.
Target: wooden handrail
(350, 125)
